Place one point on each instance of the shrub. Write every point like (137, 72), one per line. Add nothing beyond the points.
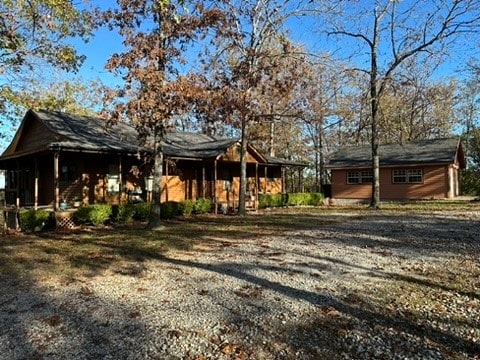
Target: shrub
(272, 200)
(294, 199)
(316, 199)
(187, 207)
(298, 199)
(170, 209)
(123, 214)
(93, 214)
(202, 206)
(100, 214)
(34, 220)
(142, 211)
(471, 182)
(82, 215)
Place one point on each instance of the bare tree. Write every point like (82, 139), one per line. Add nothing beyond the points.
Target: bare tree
(243, 61)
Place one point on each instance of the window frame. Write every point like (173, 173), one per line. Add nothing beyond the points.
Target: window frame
(409, 176)
(113, 180)
(361, 176)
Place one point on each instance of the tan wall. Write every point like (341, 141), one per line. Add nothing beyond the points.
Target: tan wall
(233, 155)
(435, 185)
(179, 188)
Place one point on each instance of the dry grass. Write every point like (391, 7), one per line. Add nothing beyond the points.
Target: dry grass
(91, 251)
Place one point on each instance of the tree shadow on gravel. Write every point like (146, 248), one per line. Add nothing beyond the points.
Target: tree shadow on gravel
(36, 323)
(333, 316)
(361, 314)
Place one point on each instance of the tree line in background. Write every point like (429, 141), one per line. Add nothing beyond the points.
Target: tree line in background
(230, 67)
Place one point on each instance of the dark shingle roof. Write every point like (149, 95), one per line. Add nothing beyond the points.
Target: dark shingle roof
(280, 161)
(432, 151)
(88, 133)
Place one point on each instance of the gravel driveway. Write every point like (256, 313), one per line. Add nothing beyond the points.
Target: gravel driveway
(338, 286)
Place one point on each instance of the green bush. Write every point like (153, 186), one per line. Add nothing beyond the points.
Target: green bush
(34, 220)
(93, 214)
(471, 182)
(294, 199)
(142, 211)
(202, 206)
(272, 200)
(82, 215)
(316, 199)
(123, 214)
(170, 209)
(297, 199)
(303, 199)
(100, 214)
(187, 207)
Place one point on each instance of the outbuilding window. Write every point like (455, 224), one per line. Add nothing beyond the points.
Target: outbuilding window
(359, 177)
(407, 176)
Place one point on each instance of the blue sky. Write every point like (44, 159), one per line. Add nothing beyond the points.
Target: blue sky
(302, 30)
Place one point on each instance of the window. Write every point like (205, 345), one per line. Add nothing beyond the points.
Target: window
(359, 177)
(11, 179)
(2, 179)
(68, 173)
(113, 180)
(227, 180)
(407, 176)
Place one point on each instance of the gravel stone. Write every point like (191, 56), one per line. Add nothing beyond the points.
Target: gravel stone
(345, 286)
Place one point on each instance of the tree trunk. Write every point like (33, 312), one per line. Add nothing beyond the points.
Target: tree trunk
(243, 168)
(155, 218)
(321, 164)
(375, 200)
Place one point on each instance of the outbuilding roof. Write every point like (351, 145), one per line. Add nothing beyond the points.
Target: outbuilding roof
(421, 152)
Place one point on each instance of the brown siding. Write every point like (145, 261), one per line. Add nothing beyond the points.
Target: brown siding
(435, 185)
(342, 190)
(35, 135)
(185, 182)
(233, 154)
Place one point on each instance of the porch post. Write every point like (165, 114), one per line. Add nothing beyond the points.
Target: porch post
(300, 180)
(283, 179)
(215, 185)
(166, 179)
(35, 204)
(120, 180)
(255, 203)
(17, 185)
(56, 184)
(265, 183)
(203, 180)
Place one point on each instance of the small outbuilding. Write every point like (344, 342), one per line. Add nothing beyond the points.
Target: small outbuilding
(424, 169)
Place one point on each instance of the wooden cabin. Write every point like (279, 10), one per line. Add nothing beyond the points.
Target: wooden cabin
(56, 158)
(424, 169)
